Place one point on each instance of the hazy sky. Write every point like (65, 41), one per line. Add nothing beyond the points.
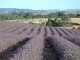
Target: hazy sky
(40, 4)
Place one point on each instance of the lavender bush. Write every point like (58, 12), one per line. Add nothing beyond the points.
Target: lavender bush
(32, 50)
(66, 32)
(71, 31)
(27, 32)
(78, 33)
(21, 29)
(61, 33)
(74, 39)
(35, 31)
(42, 30)
(54, 31)
(48, 31)
(65, 49)
(12, 28)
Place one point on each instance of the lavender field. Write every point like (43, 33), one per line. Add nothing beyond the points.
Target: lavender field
(21, 41)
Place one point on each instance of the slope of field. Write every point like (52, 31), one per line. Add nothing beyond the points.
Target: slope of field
(21, 41)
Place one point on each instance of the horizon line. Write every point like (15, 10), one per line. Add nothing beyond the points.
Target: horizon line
(39, 9)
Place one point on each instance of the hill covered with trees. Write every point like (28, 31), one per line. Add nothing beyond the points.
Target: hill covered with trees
(11, 10)
(30, 15)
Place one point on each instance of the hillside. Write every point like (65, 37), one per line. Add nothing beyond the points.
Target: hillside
(10, 10)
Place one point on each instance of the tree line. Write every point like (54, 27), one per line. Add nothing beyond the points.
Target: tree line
(29, 15)
(63, 21)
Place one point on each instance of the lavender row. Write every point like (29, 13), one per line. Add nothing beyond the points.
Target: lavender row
(74, 39)
(11, 30)
(48, 31)
(6, 42)
(35, 31)
(78, 30)
(18, 31)
(32, 50)
(54, 32)
(78, 33)
(4, 24)
(30, 28)
(7, 27)
(9, 35)
(42, 30)
(61, 33)
(71, 31)
(8, 24)
(65, 49)
(66, 32)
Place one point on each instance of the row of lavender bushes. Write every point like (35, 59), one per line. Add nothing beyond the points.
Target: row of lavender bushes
(22, 28)
(65, 49)
(32, 50)
(10, 40)
(74, 39)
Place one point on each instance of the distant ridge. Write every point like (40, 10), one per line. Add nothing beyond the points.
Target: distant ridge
(10, 10)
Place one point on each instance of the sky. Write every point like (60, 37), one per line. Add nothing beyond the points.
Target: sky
(41, 4)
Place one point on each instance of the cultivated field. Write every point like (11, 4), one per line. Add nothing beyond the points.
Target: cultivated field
(43, 20)
(21, 41)
(74, 20)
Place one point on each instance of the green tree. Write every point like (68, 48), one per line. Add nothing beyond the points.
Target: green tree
(49, 23)
(28, 15)
(22, 14)
(65, 19)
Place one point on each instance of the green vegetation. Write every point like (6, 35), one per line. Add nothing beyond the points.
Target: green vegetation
(60, 18)
(49, 23)
(29, 15)
(64, 21)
